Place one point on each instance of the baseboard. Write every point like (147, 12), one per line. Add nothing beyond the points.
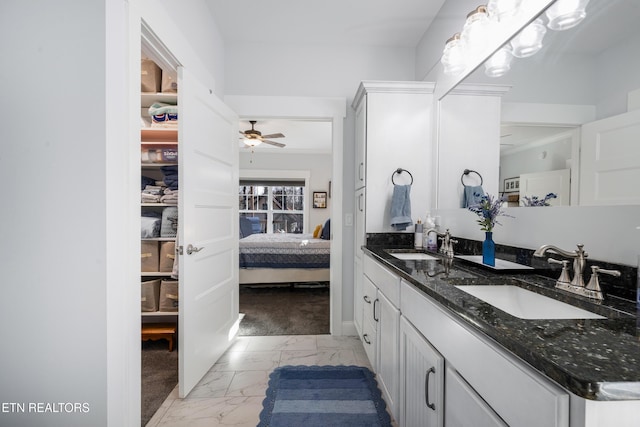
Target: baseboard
(349, 328)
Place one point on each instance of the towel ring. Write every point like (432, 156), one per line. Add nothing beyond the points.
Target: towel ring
(467, 172)
(399, 171)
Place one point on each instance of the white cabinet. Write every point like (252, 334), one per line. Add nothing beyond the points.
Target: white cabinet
(421, 380)
(358, 295)
(393, 130)
(381, 327)
(512, 389)
(370, 321)
(464, 406)
(388, 372)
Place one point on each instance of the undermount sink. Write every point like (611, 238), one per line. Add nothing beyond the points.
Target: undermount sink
(412, 256)
(526, 304)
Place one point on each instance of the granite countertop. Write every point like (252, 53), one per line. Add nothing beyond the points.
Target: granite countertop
(597, 359)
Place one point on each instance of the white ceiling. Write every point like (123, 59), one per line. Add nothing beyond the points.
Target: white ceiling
(300, 136)
(399, 23)
(325, 22)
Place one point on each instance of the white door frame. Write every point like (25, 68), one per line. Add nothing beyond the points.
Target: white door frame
(330, 109)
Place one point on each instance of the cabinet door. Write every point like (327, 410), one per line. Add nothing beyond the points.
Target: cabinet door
(360, 143)
(370, 319)
(463, 406)
(388, 373)
(358, 296)
(359, 220)
(421, 380)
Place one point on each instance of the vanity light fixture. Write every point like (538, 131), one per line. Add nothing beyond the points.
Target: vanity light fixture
(482, 22)
(565, 14)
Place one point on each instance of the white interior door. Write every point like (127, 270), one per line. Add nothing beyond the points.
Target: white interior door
(542, 183)
(610, 161)
(208, 223)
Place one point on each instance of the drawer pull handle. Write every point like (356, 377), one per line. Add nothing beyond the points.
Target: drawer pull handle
(365, 337)
(431, 370)
(377, 319)
(366, 299)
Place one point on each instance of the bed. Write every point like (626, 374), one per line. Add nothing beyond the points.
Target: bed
(283, 258)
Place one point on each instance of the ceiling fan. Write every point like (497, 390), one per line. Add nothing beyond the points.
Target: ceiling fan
(253, 138)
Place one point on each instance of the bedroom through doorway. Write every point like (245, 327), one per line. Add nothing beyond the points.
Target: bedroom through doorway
(284, 213)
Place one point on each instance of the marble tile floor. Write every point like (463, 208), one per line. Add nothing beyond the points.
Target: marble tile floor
(231, 393)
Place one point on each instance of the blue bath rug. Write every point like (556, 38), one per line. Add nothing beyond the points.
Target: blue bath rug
(323, 396)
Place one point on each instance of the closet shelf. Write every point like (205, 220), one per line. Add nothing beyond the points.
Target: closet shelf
(158, 313)
(156, 165)
(148, 98)
(155, 274)
(158, 135)
(159, 239)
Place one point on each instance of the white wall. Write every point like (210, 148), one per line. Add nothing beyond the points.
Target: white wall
(190, 33)
(56, 250)
(319, 166)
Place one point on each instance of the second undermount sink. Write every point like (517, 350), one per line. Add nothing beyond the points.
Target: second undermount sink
(412, 256)
(526, 304)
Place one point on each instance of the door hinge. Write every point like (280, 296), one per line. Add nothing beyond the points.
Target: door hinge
(179, 250)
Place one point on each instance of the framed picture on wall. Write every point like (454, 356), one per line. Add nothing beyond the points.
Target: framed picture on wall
(320, 199)
(512, 184)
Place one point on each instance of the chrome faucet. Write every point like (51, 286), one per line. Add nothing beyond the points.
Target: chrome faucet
(446, 247)
(576, 285)
(579, 261)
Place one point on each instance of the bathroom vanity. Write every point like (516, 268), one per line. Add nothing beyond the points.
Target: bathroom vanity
(446, 357)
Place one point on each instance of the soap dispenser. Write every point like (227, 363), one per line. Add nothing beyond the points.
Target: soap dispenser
(432, 236)
(417, 236)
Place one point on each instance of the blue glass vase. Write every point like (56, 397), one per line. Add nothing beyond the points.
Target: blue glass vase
(489, 250)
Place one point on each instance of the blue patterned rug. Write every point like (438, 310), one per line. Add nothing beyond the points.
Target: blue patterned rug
(323, 396)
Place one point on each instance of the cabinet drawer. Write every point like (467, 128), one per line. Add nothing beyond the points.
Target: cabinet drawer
(519, 394)
(386, 281)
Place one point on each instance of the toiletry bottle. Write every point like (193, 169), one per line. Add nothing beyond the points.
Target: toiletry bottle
(432, 236)
(417, 236)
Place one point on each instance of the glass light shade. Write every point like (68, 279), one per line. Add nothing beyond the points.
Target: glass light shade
(453, 56)
(529, 41)
(565, 14)
(499, 63)
(502, 10)
(475, 31)
(251, 142)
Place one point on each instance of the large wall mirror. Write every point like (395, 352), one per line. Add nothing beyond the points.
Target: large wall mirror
(570, 122)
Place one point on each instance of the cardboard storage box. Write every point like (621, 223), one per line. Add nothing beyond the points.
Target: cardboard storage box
(168, 295)
(169, 83)
(167, 256)
(150, 296)
(151, 76)
(149, 256)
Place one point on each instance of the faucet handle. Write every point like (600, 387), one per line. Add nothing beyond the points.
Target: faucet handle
(593, 287)
(564, 276)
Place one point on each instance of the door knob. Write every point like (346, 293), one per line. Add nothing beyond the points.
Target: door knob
(191, 249)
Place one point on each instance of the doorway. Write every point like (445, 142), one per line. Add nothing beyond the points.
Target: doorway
(322, 109)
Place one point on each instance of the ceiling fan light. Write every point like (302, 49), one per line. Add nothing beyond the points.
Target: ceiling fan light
(565, 14)
(252, 142)
(529, 41)
(499, 63)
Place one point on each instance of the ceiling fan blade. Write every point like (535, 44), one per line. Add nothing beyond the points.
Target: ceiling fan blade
(273, 135)
(276, 144)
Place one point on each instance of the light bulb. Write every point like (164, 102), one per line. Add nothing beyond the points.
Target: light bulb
(565, 14)
(529, 41)
(502, 10)
(453, 56)
(499, 63)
